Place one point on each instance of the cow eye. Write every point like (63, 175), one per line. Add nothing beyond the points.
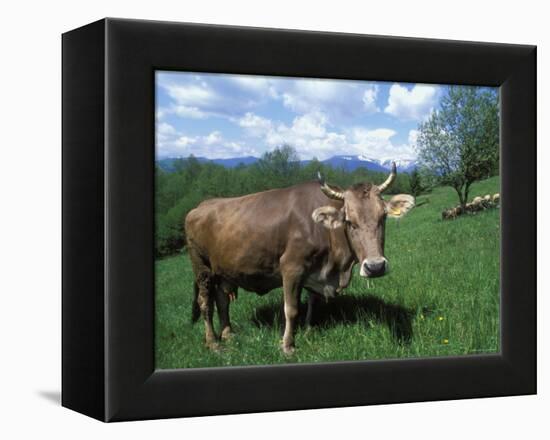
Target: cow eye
(351, 225)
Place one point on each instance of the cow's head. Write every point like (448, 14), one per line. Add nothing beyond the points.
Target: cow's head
(363, 216)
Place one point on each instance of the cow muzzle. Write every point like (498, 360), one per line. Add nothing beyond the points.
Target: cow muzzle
(375, 267)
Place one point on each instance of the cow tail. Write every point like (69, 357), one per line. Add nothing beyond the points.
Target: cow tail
(195, 309)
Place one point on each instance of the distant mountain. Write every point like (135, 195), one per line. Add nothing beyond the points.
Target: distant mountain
(349, 163)
(236, 161)
(403, 165)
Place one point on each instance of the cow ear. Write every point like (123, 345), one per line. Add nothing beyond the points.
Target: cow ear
(399, 205)
(329, 217)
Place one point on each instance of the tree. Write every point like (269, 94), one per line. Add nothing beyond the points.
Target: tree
(415, 183)
(458, 144)
(280, 166)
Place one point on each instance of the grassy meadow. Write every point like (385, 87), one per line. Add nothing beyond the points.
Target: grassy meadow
(440, 298)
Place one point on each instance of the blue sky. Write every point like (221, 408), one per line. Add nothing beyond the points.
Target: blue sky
(222, 116)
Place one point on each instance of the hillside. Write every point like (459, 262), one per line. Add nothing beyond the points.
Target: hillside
(440, 298)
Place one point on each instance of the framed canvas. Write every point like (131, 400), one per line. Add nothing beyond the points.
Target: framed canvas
(208, 111)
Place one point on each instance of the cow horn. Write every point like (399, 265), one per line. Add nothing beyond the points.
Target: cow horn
(384, 186)
(327, 190)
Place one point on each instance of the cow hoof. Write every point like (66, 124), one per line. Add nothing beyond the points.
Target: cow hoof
(213, 346)
(227, 334)
(288, 350)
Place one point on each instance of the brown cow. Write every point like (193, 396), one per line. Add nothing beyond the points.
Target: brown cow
(306, 236)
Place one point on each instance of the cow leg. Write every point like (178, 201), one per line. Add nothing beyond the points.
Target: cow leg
(311, 300)
(292, 289)
(206, 305)
(204, 294)
(222, 303)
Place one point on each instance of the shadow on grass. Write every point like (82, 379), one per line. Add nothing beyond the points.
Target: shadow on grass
(345, 309)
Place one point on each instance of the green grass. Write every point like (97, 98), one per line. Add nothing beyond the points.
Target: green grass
(440, 298)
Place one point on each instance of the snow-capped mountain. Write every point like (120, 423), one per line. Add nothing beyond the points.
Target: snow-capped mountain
(351, 163)
(404, 165)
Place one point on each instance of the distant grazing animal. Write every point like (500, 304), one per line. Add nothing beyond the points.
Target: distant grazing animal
(477, 204)
(477, 200)
(306, 236)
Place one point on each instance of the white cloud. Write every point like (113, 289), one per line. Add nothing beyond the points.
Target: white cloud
(322, 118)
(160, 113)
(362, 135)
(414, 104)
(313, 94)
(198, 98)
(234, 96)
(172, 143)
(166, 135)
(195, 100)
(213, 138)
(379, 144)
(255, 125)
(308, 134)
(312, 135)
(339, 99)
(165, 129)
(372, 143)
(184, 141)
(192, 94)
(184, 111)
(256, 84)
(310, 125)
(369, 99)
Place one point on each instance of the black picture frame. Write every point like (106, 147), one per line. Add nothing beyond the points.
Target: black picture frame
(108, 199)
